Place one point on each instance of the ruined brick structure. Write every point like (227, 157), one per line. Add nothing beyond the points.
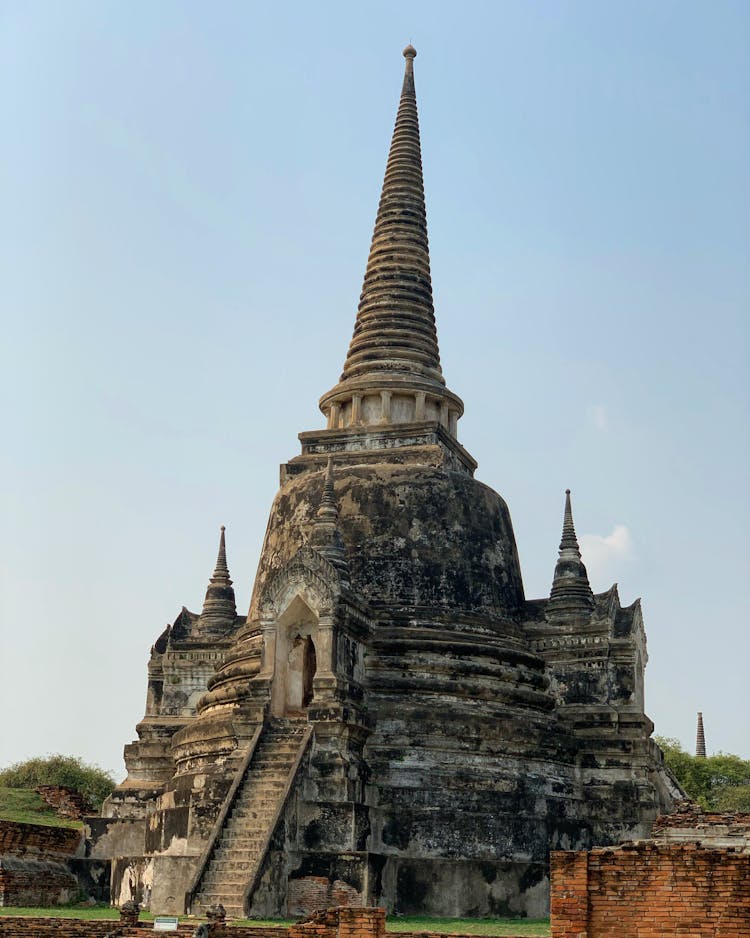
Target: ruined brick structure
(651, 890)
(393, 723)
(67, 802)
(331, 923)
(45, 866)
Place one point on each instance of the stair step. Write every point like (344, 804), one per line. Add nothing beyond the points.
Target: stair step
(238, 853)
(261, 800)
(258, 795)
(232, 893)
(263, 810)
(241, 842)
(285, 749)
(262, 791)
(256, 779)
(231, 875)
(259, 810)
(274, 758)
(247, 825)
(230, 879)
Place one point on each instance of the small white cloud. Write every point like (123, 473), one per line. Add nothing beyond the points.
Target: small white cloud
(598, 416)
(606, 556)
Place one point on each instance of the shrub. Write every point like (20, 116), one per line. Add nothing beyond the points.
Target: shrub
(67, 771)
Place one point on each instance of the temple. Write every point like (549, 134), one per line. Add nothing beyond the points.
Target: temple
(393, 723)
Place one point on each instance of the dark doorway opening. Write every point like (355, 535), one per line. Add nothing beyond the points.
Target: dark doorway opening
(309, 666)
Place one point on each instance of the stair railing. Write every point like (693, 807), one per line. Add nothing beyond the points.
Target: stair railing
(263, 852)
(221, 819)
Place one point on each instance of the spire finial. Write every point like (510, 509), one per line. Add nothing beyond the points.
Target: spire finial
(700, 739)
(410, 52)
(219, 603)
(571, 593)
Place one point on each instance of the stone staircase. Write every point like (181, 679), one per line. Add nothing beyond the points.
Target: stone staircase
(241, 845)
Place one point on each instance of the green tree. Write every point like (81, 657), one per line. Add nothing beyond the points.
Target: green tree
(734, 798)
(717, 783)
(68, 771)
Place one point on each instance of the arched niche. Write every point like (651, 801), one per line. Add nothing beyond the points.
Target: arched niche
(296, 631)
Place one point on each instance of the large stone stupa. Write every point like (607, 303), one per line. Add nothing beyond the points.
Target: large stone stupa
(394, 722)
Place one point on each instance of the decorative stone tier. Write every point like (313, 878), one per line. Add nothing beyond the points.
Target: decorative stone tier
(390, 399)
(417, 444)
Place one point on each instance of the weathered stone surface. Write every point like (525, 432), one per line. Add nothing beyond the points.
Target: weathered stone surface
(455, 731)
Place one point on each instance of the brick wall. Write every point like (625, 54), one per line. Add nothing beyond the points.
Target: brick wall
(710, 828)
(16, 927)
(35, 883)
(19, 839)
(651, 890)
(363, 922)
(309, 893)
(366, 925)
(33, 864)
(67, 801)
(27, 927)
(694, 816)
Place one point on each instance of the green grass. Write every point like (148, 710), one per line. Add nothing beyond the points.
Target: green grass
(470, 926)
(462, 926)
(89, 913)
(26, 806)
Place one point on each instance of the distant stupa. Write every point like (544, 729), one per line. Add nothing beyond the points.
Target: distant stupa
(700, 739)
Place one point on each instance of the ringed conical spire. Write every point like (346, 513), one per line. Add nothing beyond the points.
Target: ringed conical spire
(394, 349)
(219, 602)
(395, 327)
(571, 593)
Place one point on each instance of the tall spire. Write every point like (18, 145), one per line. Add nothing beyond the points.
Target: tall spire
(395, 327)
(700, 739)
(326, 536)
(219, 602)
(571, 593)
(394, 349)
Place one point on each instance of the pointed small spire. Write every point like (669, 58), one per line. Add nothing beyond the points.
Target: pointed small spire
(326, 536)
(219, 603)
(221, 569)
(700, 739)
(571, 593)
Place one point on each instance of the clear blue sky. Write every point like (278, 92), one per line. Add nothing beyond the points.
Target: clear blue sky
(188, 192)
